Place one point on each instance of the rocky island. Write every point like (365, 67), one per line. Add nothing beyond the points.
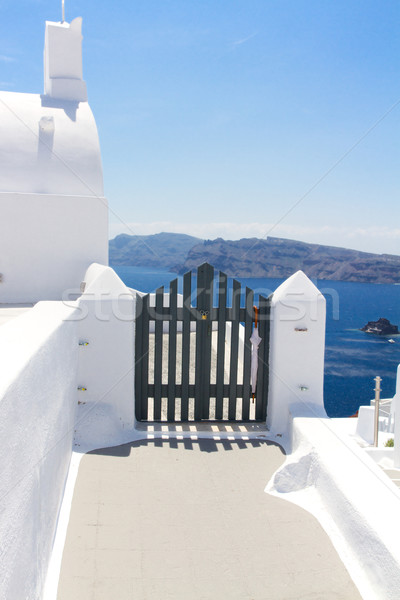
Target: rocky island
(380, 327)
(253, 257)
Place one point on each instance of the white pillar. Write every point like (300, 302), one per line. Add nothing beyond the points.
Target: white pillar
(107, 363)
(297, 346)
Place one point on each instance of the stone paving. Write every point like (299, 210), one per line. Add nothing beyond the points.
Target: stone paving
(189, 519)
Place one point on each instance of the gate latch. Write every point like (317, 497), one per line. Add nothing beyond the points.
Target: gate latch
(204, 314)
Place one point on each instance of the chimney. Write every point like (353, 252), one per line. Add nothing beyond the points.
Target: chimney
(63, 77)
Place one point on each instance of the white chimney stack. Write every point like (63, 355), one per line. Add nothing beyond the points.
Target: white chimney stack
(63, 78)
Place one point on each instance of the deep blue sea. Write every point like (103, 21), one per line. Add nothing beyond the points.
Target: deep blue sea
(352, 358)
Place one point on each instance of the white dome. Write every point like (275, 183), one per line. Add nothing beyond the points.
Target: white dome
(48, 146)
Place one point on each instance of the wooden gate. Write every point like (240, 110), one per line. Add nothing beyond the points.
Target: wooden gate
(193, 360)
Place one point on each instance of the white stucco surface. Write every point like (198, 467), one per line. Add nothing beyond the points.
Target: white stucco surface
(38, 365)
(12, 311)
(327, 473)
(366, 423)
(47, 243)
(63, 76)
(106, 313)
(48, 146)
(54, 217)
(297, 348)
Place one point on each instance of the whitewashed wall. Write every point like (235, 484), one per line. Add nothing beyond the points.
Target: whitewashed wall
(297, 348)
(38, 365)
(47, 242)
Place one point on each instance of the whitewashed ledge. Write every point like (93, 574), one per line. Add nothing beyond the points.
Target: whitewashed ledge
(11, 311)
(328, 474)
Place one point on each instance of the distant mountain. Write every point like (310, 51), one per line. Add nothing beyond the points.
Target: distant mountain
(253, 257)
(162, 250)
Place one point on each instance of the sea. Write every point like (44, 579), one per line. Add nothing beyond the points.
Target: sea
(352, 358)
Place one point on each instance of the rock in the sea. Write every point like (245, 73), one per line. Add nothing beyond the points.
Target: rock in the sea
(380, 327)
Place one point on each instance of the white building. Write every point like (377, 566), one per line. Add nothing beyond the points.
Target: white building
(54, 217)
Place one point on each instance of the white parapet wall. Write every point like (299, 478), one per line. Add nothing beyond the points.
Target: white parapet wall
(297, 348)
(46, 355)
(39, 359)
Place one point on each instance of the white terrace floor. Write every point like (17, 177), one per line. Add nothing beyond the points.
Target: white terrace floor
(189, 519)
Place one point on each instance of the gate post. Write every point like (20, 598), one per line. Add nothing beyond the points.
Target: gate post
(297, 346)
(106, 365)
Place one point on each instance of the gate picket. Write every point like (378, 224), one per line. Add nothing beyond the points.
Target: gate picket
(205, 280)
(158, 352)
(142, 358)
(234, 350)
(248, 326)
(173, 305)
(187, 294)
(222, 299)
(203, 315)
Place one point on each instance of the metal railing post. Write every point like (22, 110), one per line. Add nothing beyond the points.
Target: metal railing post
(377, 399)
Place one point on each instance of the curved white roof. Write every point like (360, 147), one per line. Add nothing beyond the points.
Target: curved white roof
(48, 146)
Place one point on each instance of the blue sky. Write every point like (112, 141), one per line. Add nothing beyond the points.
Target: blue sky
(236, 118)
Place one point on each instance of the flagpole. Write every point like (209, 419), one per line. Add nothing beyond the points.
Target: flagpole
(63, 11)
